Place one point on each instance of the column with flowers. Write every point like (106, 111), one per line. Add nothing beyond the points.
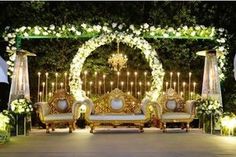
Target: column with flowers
(209, 112)
(22, 109)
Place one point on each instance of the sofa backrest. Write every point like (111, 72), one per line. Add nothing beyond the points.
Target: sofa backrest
(117, 102)
(61, 102)
(171, 101)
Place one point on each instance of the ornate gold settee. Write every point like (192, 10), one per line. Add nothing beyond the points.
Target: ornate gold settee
(171, 108)
(116, 108)
(59, 109)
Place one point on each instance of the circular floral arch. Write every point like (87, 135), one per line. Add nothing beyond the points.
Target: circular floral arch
(133, 41)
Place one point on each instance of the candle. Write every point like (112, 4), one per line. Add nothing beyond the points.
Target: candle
(135, 83)
(174, 85)
(90, 87)
(40, 96)
(61, 84)
(131, 89)
(39, 74)
(191, 95)
(148, 84)
(85, 81)
(140, 87)
(56, 80)
(181, 94)
(184, 89)
(50, 94)
(163, 93)
(178, 74)
(43, 91)
(46, 95)
(194, 87)
(111, 84)
(53, 84)
(171, 73)
(189, 84)
(118, 79)
(100, 84)
(122, 85)
(104, 83)
(138, 95)
(127, 81)
(167, 83)
(145, 82)
(96, 83)
(65, 80)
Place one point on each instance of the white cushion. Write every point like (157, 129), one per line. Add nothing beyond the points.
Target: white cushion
(117, 104)
(62, 104)
(117, 117)
(175, 115)
(171, 105)
(58, 117)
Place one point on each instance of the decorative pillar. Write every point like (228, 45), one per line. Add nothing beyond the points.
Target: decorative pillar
(211, 81)
(20, 78)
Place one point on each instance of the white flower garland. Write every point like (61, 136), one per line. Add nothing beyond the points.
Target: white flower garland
(131, 35)
(129, 39)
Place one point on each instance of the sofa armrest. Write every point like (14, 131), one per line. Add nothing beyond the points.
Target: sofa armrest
(157, 109)
(76, 109)
(89, 106)
(43, 109)
(189, 107)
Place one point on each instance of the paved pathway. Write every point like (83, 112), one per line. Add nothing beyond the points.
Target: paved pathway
(119, 143)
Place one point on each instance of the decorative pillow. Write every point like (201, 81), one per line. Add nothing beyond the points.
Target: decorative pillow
(180, 106)
(62, 105)
(171, 105)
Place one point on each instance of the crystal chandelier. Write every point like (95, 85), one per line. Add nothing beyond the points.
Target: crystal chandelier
(117, 61)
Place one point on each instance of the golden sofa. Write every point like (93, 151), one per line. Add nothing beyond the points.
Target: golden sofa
(171, 108)
(60, 109)
(116, 108)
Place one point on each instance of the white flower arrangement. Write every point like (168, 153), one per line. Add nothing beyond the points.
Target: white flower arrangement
(208, 106)
(21, 106)
(4, 122)
(4, 128)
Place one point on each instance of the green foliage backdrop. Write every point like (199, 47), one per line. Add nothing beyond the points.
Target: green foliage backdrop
(178, 55)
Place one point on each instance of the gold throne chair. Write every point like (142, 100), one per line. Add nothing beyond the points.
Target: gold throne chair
(60, 109)
(173, 109)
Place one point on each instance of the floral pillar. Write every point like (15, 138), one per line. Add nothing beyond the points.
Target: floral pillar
(20, 77)
(211, 81)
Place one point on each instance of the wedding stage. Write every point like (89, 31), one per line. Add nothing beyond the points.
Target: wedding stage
(119, 142)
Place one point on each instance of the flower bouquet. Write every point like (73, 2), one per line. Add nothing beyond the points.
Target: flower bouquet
(208, 111)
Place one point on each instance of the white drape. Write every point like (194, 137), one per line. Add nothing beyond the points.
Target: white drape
(3, 71)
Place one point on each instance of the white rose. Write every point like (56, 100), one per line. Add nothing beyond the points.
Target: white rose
(52, 27)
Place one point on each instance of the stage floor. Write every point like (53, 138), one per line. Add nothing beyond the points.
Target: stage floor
(119, 142)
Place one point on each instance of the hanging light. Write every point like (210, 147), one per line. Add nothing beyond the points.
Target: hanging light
(118, 61)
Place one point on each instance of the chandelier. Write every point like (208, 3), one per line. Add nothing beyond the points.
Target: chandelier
(117, 61)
